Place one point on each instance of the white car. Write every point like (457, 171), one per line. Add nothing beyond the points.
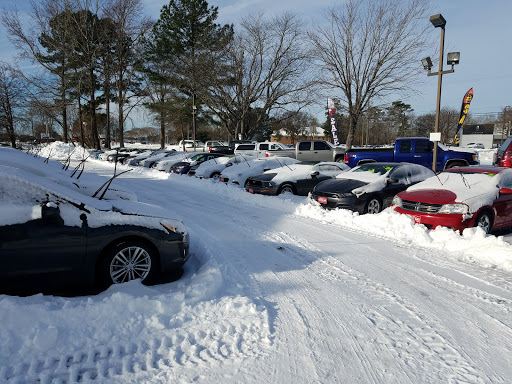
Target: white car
(298, 179)
(238, 174)
(211, 169)
(165, 164)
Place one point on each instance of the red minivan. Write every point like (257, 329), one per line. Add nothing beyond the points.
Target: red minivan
(504, 155)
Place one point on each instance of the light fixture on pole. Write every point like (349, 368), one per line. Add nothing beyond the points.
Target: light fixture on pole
(453, 58)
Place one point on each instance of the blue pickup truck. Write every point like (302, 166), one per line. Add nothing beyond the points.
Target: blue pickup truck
(417, 150)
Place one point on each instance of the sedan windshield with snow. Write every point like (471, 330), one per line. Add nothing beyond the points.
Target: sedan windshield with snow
(370, 187)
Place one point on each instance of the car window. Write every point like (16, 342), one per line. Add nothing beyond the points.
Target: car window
(305, 146)
(275, 147)
(373, 168)
(402, 174)
(423, 146)
(263, 147)
(506, 181)
(405, 146)
(320, 146)
(506, 144)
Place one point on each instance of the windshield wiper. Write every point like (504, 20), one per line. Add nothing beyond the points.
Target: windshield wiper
(465, 181)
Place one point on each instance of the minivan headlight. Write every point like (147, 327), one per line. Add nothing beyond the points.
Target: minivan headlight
(460, 209)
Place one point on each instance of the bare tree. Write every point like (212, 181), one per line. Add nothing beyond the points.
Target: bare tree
(370, 49)
(131, 25)
(11, 99)
(268, 70)
(46, 42)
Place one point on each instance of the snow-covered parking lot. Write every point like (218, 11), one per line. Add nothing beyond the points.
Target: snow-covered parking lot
(277, 290)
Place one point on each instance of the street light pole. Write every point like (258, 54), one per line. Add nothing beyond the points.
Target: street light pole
(438, 105)
(439, 21)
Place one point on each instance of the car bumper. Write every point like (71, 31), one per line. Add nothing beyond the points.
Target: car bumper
(351, 203)
(261, 190)
(456, 222)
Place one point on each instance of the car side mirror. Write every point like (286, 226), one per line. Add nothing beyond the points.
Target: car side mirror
(50, 214)
(505, 191)
(314, 174)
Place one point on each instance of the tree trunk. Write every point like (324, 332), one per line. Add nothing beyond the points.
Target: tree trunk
(351, 130)
(162, 129)
(107, 129)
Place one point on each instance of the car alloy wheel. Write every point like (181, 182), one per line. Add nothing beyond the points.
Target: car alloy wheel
(373, 206)
(484, 221)
(128, 260)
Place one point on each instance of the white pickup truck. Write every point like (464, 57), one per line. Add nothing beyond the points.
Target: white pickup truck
(187, 146)
(258, 150)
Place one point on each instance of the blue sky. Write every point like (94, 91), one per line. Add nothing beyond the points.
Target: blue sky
(479, 29)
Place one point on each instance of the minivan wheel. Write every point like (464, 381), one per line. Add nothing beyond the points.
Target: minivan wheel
(128, 260)
(484, 221)
(373, 206)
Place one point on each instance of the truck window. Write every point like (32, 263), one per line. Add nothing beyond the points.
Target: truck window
(275, 147)
(245, 147)
(320, 146)
(423, 146)
(405, 146)
(263, 147)
(305, 146)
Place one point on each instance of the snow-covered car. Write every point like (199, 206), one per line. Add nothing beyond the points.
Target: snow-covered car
(165, 164)
(135, 160)
(155, 156)
(211, 169)
(370, 187)
(53, 234)
(238, 173)
(183, 167)
(460, 198)
(299, 179)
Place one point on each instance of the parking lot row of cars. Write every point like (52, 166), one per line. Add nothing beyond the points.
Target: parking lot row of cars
(458, 198)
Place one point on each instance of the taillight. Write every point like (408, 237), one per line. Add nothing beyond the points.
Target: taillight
(346, 158)
(266, 154)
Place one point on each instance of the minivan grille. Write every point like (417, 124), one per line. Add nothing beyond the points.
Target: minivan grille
(420, 207)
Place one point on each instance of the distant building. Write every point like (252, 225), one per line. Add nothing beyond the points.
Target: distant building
(309, 133)
(478, 133)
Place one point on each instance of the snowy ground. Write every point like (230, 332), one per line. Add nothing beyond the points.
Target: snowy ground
(278, 291)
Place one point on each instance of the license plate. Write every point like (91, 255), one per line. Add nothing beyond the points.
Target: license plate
(251, 190)
(322, 200)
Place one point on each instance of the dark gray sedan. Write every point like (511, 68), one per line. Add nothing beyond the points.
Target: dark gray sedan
(369, 188)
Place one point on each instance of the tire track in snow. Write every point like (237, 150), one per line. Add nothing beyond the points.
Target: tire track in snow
(192, 348)
(413, 339)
